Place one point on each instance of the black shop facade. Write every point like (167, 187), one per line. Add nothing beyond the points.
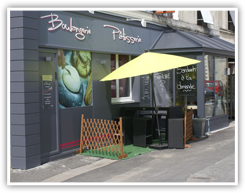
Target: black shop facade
(57, 67)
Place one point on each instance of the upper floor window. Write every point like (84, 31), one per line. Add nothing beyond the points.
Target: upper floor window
(231, 16)
(200, 20)
(204, 17)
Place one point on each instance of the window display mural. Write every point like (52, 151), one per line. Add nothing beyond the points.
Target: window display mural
(74, 78)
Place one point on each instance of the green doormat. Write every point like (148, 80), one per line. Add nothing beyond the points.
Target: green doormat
(131, 150)
(128, 149)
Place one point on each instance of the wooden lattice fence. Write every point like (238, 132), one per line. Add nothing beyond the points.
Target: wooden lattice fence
(101, 135)
(188, 130)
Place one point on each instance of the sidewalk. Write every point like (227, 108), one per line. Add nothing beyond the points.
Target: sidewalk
(67, 168)
(53, 168)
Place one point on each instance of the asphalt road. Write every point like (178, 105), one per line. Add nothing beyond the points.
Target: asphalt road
(209, 160)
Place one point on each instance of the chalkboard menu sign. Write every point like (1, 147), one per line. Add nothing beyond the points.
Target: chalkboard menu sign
(163, 84)
(47, 91)
(186, 80)
(145, 92)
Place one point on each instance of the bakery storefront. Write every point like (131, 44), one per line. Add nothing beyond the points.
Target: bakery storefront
(66, 54)
(58, 59)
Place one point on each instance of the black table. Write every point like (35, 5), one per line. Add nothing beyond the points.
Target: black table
(171, 112)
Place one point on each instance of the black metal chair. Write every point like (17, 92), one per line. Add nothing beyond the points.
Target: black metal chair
(142, 131)
(127, 125)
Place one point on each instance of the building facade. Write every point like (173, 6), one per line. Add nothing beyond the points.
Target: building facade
(57, 59)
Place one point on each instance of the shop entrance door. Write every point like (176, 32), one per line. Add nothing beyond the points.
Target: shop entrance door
(48, 106)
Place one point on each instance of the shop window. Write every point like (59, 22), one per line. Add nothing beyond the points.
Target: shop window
(215, 86)
(220, 86)
(113, 82)
(121, 90)
(186, 90)
(209, 86)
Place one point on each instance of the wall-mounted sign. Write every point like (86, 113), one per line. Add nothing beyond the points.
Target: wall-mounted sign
(57, 23)
(122, 35)
(47, 91)
(145, 99)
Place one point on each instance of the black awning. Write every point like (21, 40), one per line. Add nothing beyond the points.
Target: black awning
(183, 41)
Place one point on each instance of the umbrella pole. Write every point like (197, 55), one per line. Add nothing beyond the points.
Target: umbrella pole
(156, 111)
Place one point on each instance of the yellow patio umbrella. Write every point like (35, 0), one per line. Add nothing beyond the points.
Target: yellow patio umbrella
(148, 63)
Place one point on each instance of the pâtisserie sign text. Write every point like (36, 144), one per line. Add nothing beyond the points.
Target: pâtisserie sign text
(122, 35)
(80, 33)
